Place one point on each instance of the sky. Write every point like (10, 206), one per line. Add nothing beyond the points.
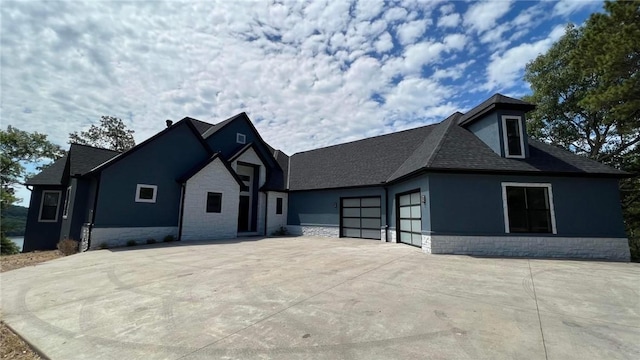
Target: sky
(308, 73)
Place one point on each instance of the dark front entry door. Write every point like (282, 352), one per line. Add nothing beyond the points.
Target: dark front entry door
(243, 215)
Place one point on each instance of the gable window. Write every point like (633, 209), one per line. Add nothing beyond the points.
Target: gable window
(65, 212)
(278, 206)
(513, 136)
(214, 202)
(241, 138)
(146, 193)
(49, 206)
(528, 208)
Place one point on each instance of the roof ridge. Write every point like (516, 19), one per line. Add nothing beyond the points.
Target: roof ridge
(94, 147)
(367, 138)
(452, 120)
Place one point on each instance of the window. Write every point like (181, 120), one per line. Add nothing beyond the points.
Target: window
(49, 206)
(513, 137)
(528, 208)
(146, 193)
(214, 202)
(278, 206)
(241, 138)
(65, 212)
(246, 179)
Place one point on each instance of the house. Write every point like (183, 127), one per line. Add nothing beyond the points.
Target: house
(471, 184)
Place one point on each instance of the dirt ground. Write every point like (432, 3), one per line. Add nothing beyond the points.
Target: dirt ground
(11, 262)
(11, 346)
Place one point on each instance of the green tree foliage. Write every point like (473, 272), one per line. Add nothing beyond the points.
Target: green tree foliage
(110, 134)
(18, 148)
(587, 88)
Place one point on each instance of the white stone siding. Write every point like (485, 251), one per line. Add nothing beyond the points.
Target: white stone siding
(529, 246)
(197, 224)
(261, 211)
(426, 243)
(383, 234)
(113, 237)
(392, 236)
(275, 221)
(313, 230)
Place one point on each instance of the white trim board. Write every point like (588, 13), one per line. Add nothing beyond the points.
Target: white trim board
(155, 193)
(505, 138)
(505, 208)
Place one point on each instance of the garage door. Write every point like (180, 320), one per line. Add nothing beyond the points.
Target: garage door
(360, 217)
(409, 220)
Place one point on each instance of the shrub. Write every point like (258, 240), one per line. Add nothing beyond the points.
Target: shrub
(8, 247)
(103, 245)
(68, 246)
(151, 241)
(634, 248)
(169, 238)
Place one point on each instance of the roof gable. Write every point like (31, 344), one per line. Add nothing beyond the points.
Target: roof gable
(199, 167)
(51, 175)
(491, 103)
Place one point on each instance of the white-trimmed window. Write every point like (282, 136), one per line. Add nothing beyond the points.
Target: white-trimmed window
(146, 193)
(49, 206)
(528, 208)
(65, 212)
(214, 202)
(513, 136)
(241, 138)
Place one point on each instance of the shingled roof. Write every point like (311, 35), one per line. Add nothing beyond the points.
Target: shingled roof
(79, 160)
(446, 146)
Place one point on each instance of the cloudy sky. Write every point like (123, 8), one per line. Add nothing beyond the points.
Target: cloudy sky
(308, 73)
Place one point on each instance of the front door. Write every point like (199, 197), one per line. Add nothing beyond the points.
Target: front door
(243, 214)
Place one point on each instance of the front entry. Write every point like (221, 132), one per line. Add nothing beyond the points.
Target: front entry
(409, 218)
(243, 214)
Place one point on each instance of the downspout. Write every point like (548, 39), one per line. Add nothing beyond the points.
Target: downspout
(181, 212)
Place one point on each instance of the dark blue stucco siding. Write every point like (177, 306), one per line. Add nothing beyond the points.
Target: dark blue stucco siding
(224, 141)
(322, 207)
(160, 162)
(78, 202)
(41, 235)
(421, 183)
(472, 205)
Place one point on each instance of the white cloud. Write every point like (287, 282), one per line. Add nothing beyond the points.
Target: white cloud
(408, 33)
(482, 16)
(384, 43)
(447, 9)
(506, 68)
(567, 7)
(448, 21)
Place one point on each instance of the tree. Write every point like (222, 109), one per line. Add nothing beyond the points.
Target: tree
(587, 88)
(110, 134)
(17, 149)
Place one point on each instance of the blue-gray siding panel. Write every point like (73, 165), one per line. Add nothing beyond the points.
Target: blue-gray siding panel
(322, 207)
(41, 235)
(472, 205)
(422, 183)
(78, 199)
(487, 129)
(224, 141)
(158, 163)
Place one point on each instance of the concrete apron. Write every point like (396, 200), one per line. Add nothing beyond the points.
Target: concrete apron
(321, 298)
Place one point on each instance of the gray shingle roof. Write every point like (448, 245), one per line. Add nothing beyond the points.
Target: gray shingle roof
(215, 128)
(446, 146)
(363, 162)
(82, 158)
(200, 125)
(490, 103)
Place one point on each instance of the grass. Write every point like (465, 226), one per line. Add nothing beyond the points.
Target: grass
(12, 347)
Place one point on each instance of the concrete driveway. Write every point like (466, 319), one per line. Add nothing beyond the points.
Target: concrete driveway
(319, 298)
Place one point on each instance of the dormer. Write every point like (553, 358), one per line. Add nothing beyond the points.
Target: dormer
(501, 124)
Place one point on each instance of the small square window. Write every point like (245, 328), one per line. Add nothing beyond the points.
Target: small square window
(146, 193)
(241, 138)
(214, 202)
(279, 206)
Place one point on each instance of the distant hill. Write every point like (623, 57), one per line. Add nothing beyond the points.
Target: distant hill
(15, 220)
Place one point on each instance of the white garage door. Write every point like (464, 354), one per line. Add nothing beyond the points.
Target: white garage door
(360, 217)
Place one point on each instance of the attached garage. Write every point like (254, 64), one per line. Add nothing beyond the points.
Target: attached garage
(360, 217)
(410, 218)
